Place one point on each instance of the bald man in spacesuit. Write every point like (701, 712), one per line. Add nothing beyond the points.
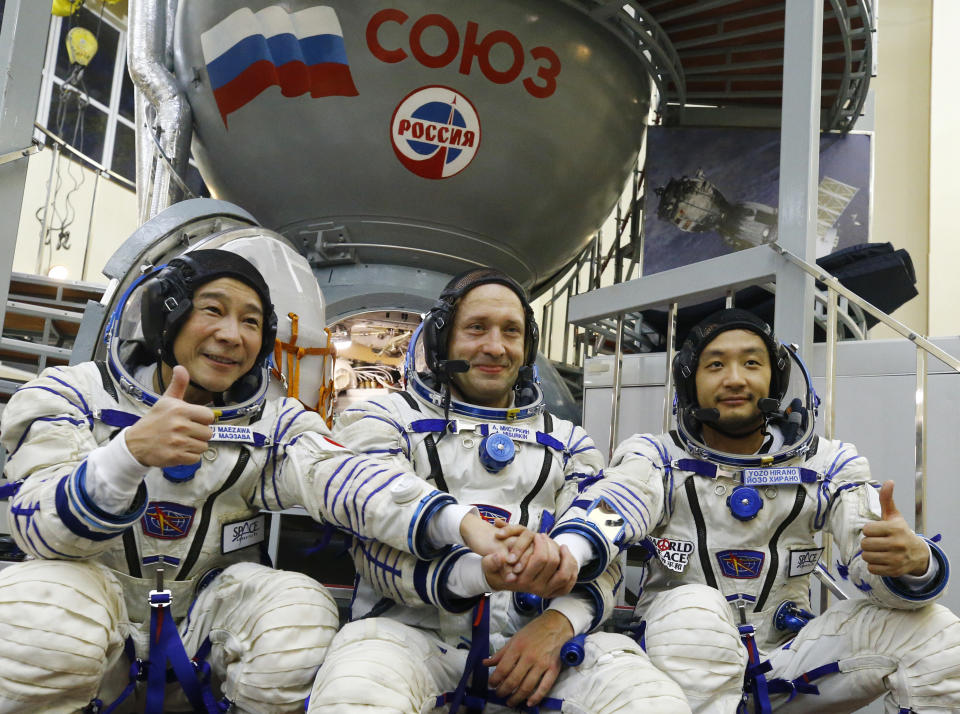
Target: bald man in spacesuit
(424, 637)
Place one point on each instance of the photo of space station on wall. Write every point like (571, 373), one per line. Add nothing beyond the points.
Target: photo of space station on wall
(713, 191)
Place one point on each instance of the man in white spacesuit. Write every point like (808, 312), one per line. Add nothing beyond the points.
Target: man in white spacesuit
(161, 458)
(473, 423)
(727, 507)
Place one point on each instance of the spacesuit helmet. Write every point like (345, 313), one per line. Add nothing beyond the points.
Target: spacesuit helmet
(790, 403)
(428, 367)
(147, 319)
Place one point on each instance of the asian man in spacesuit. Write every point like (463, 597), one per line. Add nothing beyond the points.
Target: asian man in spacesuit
(727, 507)
(162, 457)
(472, 423)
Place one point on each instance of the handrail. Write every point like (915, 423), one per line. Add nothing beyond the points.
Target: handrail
(894, 324)
(95, 165)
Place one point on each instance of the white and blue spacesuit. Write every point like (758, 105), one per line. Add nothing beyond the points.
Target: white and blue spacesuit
(75, 622)
(418, 629)
(731, 544)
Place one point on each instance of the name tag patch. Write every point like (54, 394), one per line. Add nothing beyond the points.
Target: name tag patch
(235, 434)
(517, 433)
(674, 554)
(772, 476)
(242, 534)
(804, 562)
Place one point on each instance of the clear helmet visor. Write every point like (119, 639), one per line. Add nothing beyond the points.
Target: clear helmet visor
(301, 364)
(303, 359)
(788, 425)
(134, 367)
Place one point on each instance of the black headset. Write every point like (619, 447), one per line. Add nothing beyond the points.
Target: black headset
(685, 361)
(168, 298)
(439, 320)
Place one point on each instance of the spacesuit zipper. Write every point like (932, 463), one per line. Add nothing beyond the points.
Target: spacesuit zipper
(201, 533)
(774, 554)
(544, 472)
(691, 489)
(436, 468)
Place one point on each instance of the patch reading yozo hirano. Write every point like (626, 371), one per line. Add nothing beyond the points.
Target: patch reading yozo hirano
(674, 554)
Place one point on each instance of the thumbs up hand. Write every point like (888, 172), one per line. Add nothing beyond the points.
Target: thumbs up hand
(890, 547)
(173, 432)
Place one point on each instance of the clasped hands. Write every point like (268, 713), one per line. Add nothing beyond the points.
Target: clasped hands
(514, 558)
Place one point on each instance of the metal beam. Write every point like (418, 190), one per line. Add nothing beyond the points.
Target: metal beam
(799, 166)
(23, 40)
(687, 285)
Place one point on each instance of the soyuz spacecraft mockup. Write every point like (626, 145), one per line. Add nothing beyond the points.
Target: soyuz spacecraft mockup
(391, 144)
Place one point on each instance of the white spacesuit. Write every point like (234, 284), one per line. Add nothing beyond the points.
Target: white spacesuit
(731, 544)
(77, 615)
(415, 637)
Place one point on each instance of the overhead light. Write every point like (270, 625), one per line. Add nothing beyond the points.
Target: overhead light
(58, 272)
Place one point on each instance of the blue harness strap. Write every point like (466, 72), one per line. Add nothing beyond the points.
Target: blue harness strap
(166, 645)
(804, 683)
(755, 680)
(474, 670)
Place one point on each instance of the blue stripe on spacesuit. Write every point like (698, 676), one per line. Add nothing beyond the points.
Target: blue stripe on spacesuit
(844, 464)
(387, 420)
(363, 509)
(62, 502)
(634, 499)
(347, 481)
(361, 518)
(416, 532)
(276, 448)
(326, 489)
(617, 500)
(579, 441)
(420, 571)
(85, 409)
(664, 457)
(594, 593)
(832, 471)
(382, 564)
(53, 550)
(75, 422)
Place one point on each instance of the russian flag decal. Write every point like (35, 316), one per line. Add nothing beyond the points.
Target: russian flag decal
(301, 52)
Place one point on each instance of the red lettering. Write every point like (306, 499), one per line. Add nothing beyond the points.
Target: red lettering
(404, 126)
(455, 137)
(453, 41)
(470, 47)
(443, 134)
(431, 133)
(418, 130)
(489, 42)
(547, 73)
(373, 42)
(467, 138)
(541, 85)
